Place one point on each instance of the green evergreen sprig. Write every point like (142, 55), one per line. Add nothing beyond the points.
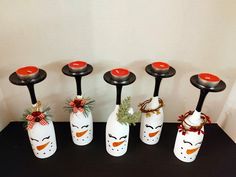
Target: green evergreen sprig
(123, 114)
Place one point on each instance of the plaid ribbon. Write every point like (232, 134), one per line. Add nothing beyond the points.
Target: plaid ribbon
(32, 119)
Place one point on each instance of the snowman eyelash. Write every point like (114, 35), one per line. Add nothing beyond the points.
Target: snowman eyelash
(74, 126)
(188, 142)
(159, 126)
(149, 126)
(123, 137)
(112, 136)
(198, 143)
(85, 126)
(34, 139)
(46, 138)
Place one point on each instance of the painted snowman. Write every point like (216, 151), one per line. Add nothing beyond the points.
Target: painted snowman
(40, 128)
(191, 130)
(81, 120)
(43, 140)
(81, 125)
(117, 135)
(41, 134)
(152, 121)
(189, 137)
(117, 127)
(152, 109)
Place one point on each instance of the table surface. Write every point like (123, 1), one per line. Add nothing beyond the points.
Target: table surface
(216, 158)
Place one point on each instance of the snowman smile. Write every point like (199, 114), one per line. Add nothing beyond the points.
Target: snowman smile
(190, 151)
(115, 144)
(41, 147)
(79, 134)
(153, 134)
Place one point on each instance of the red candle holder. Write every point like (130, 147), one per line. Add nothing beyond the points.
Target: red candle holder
(120, 73)
(208, 79)
(76, 66)
(160, 67)
(27, 72)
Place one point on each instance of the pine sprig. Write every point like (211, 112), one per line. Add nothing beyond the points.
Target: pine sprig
(123, 114)
(84, 105)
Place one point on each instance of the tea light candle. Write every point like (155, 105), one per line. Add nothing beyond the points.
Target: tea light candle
(208, 79)
(120, 73)
(160, 67)
(27, 72)
(77, 66)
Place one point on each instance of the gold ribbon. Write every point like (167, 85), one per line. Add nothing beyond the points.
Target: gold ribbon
(37, 107)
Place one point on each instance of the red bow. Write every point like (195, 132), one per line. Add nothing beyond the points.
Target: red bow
(78, 105)
(36, 117)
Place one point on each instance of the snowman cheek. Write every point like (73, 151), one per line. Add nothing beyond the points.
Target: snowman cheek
(146, 134)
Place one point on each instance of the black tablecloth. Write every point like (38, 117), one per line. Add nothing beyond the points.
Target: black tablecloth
(216, 158)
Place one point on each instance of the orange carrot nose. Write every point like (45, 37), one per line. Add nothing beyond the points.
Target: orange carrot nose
(79, 134)
(153, 134)
(41, 147)
(190, 151)
(115, 144)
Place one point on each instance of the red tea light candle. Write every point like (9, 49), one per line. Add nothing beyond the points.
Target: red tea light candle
(208, 79)
(77, 66)
(120, 73)
(27, 72)
(160, 67)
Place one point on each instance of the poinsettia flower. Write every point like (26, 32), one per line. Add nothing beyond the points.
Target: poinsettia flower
(75, 110)
(83, 102)
(36, 113)
(72, 104)
(81, 109)
(82, 105)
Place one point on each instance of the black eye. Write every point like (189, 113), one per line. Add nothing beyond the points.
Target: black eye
(158, 126)
(188, 142)
(34, 139)
(85, 126)
(46, 138)
(123, 137)
(112, 136)
(74, 126)
(149, 126)
(198, 143)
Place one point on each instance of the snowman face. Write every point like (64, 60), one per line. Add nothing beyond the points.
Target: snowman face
(117, 143)
(151, 127)
(188, 145)
(151, 132)
(42, 139)
(81, 129)
(117, 135)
